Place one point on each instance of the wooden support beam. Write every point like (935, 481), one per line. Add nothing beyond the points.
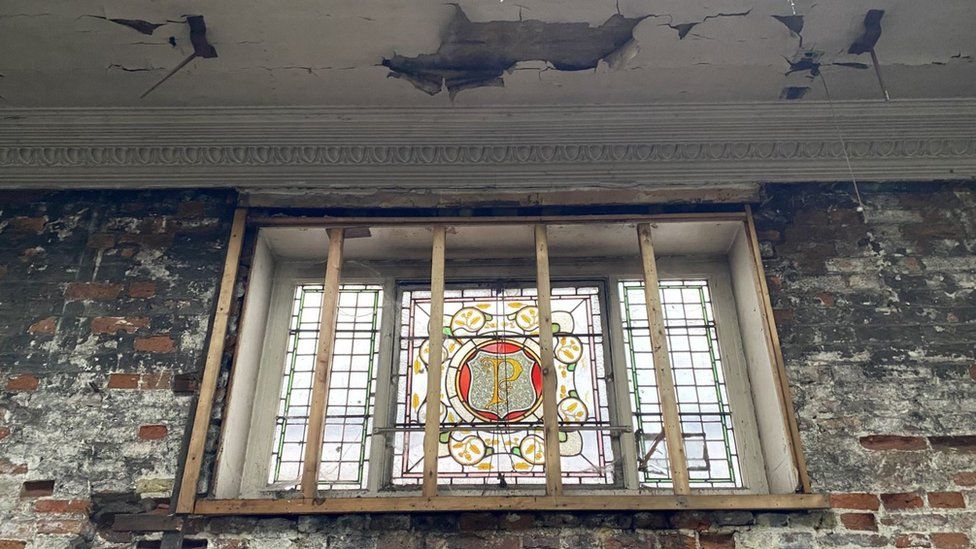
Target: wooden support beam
(211, 368)
(569, 502)
(318, 221)
(323, 365)
(550, 418)
(677, 459)
(435, 331)
(776, 354)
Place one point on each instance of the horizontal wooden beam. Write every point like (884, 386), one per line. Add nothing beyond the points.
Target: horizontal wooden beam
(300, 221)
(588, 502)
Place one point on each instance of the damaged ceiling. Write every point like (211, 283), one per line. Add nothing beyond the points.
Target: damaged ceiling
(480, 52)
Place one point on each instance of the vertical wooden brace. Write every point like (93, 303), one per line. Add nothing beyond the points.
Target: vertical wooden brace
(550, 419)
(435, 331)
(677, 459)
(323, 365)
(211, 368)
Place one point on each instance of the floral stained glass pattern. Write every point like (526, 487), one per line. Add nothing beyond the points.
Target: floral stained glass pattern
(703, 400)
(491, 388)
(349, 410)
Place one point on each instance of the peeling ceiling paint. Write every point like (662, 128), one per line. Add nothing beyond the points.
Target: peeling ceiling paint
(305, 52)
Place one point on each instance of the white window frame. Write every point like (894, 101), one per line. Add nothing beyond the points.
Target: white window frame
(744, 257)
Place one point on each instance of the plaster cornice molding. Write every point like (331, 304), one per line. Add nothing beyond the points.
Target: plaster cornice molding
(503, 148)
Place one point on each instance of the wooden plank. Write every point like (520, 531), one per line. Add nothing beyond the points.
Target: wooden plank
(211, 368)
(550, 419)
(296, 221)
(782, 380)
(677, 459)
(562, 197)
(323, 365)
(478, 502)
(435, 330)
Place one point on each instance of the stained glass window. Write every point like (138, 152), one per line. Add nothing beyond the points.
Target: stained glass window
(491, 412)
(703, 401)
(348, 421)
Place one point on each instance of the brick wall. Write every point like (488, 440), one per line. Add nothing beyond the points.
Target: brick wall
(105, 299)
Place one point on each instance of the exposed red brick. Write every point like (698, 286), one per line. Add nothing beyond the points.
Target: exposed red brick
(101, 240)
(950, 540)
(152, 432)
(62, 506)
(827, 299)
(22, 382)
(903, 500)
(769, 234)
(142, 289)
(774, 283)
(191, 209)
(101, 291)
(868, 502)
(156, 380)
(966, 478)
(965, 443)
(62, 526)
(783, 316)
(912, 540)
(893, 442)
(147, 240)
(8, 467)
(946, 500)
(155, 344)
(46, 325)
(28, 224)
(859, 521)
(116, 324)
(37, 489)
(185, 384)
(123, 381)
(472, 522)
(691, 520)
(717, 541)
(972, 369)
(4, 432)
(12, 544)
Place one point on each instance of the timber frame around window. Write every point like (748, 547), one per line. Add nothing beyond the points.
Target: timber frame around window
(428, 499)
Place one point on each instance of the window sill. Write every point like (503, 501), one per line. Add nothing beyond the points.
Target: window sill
(412, 504)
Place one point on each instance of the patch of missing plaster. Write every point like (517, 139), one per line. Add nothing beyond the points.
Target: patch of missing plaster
(145, 27)
(131, 69)
(806, 61)
(794, 23)
(872, 32)
(792, 93)
(684, 28)
(852, 65)
(201, 48)
(473, 55)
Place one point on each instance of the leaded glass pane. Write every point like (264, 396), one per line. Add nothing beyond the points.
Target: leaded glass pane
(491, 388)
(696, 364)
(348, 415)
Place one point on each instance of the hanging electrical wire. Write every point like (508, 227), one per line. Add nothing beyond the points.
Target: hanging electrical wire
(843, 143)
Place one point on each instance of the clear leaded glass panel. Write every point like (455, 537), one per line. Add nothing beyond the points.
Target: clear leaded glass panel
(696, 362)
(348, 416)
(491, 388)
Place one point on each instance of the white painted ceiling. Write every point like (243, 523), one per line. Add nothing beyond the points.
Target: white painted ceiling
(506, 241)
(319, 52)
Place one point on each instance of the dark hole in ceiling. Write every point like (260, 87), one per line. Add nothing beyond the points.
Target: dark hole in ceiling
(477, 54)
(872, 32)
(145, 27)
